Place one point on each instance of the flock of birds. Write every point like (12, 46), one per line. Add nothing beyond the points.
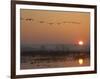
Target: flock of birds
(50, 23)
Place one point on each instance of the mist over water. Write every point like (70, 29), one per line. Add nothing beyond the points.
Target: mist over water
(54, 56)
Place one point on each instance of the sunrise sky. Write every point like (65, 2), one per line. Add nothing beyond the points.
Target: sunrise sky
(54, 27)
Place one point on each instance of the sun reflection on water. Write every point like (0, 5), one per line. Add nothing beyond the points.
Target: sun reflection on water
(80, 61)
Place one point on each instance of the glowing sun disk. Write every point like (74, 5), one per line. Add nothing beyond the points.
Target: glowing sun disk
(80, 43)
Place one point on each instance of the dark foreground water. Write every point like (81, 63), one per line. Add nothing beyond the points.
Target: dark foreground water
(55, 61)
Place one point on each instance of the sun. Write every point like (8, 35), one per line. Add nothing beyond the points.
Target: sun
(80, 42)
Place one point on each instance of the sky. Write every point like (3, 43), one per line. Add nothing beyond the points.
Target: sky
(54, 27)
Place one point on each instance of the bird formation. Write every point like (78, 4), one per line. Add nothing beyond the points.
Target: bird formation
(50, 23)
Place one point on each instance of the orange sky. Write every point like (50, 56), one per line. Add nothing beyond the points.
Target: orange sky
(66, 27)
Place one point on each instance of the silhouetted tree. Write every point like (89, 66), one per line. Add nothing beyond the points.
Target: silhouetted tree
(42, 47)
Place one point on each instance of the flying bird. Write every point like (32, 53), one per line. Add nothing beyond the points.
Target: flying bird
(50, 23)
(41, 21)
